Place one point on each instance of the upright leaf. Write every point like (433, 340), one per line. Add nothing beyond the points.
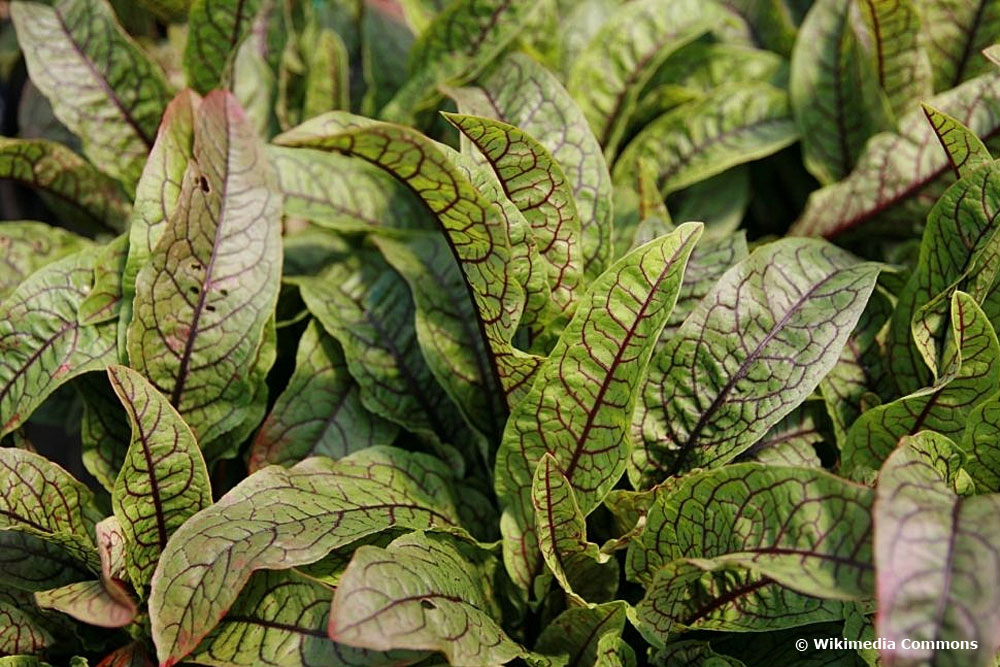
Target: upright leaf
(423, 592)
(26, 246)
(210, 286)
(578, 408)
(215, 30)
(575, 634)
(754, 348)
(956, 31)
(101, 85)
(163, 480)
(280, 518)
(965, 150)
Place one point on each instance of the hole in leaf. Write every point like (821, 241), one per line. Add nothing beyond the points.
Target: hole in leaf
(427, 604)
(203, 184)
(195, 266)
(193, 289)
(224, 292)
(210, 308)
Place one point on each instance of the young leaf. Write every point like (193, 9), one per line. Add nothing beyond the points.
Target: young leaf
(972, 361)
(92, 602)
(899, 173)
(733, 125)
(955, 32)
(101, 85)
(610, 74)
(936, 554)
(320, 412)
(163, 480)
(423, 592)
(43, 343)
(578, 408)
(26, 246)
(522, 93)
(203, 300)
(755, 347)
(280, 518)
(965, 150)
(215, 30)
(803, 528)
(575, 635)
(111, 545)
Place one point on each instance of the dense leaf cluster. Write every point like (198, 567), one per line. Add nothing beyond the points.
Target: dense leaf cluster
(369, 336)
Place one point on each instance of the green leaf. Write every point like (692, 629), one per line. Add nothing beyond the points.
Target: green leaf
(163, 480)
(693, 652)
(955, 31)
(320, 412)
(972, 363)
(965, 150)
(979, 442)
(445, 327)
(754, 348)
(608, 77)
(733, 125)
(803, 528)
(27, 246)
(578, 408)
(475, 226)
(613, 651)
(280, 518)
(327, 78)
(42, 341)
(522, 93)
(215, 30)
(67, 180)
(537, 185)
(25, 628)
(423, 592)
(101, 85)
(710, 260)
(936, 559)
(791, 442)
(104, 429)
(834, 89)
(769, 23)
(900, 173)
(386, 44)
(458, 44)
(211, 284)
(31, 563)
(574, 637)
(92, 602)
(104, 301)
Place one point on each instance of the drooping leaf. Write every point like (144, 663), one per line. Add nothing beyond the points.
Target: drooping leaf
(67, 180)
(92, 602)
(733, 125)
(972, 361)
(899, 174)
(423, 592)
(26, 246)
(43, 343)
(203, 300)
(111, 547)
(101, 85)
(163, 480)
(608, 77)
(936, 554)
(575, 635)
(965, 150)
(216, 28)
(458, 44)
(754, 348)
(280, 518)
(803, 528)
(578, 408)
(320, 411)
(955, 32)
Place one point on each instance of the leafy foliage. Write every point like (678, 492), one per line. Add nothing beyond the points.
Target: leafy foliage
(358, 332)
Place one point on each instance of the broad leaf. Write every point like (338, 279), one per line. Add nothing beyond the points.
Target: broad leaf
(43, 343)
(791, 442)
(67, 180)
(92, 602)
(215, 30)
(955, 32)
(575, 635)
(202, 301)
(163, 480)
(25, 628)
(423, 592)
(101, 85)
(281, 518)
(32, 563)
(578, 408)
(755, 347)
(27, 246)
(710, 260)
(320, 411)
(803, 528)
(979, 442)
(936, 554)
(965, 150)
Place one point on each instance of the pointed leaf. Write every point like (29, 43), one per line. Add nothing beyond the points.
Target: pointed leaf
(733, 125)
(900, 173)
(423, 592)
(956, 31)
(210, 286)
(578, 408)
(974, 375)
(163, 480)
(27, 246)
(101, 85)
(280, 518)
(936, 555)
(43, 343)
(576, 633)
(896, 51)
(803, 528)
(965, 150)
(91, 602)
(216, 28)
(320, 412)
(755, 347)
